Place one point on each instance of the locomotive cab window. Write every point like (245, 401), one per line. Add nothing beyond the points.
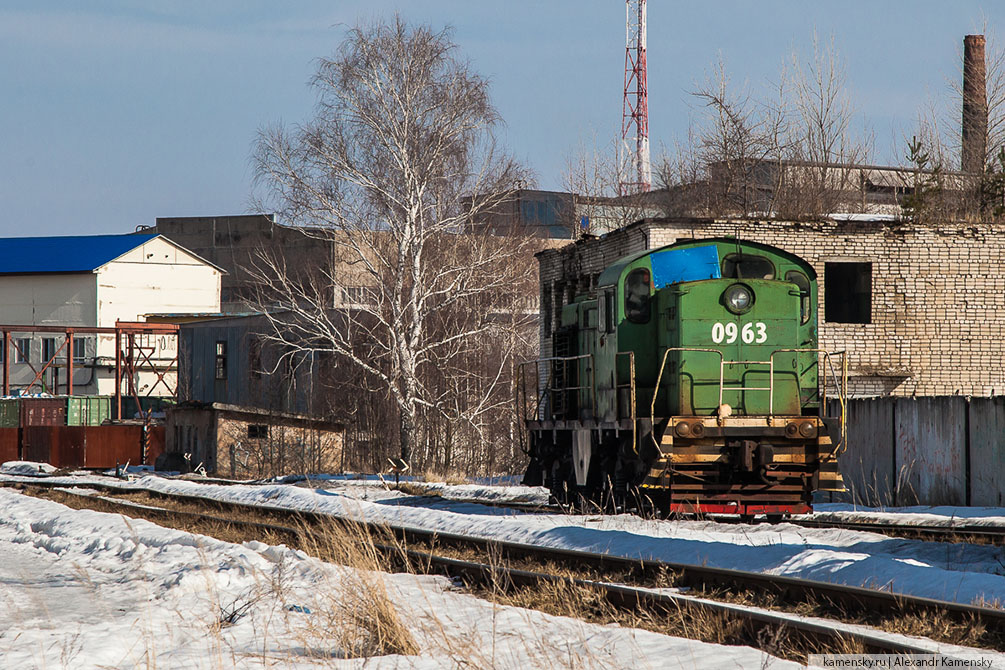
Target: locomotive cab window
(803, 282)
(747, 266)
(605, 313)
(637, 296)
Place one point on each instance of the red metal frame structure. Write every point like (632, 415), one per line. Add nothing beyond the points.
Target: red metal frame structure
(635, 109)
(132, 356)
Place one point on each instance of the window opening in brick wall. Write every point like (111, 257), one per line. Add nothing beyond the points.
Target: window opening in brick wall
(221, 360)
(848, 292)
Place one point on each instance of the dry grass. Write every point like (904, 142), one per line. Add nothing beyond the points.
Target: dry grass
(415, 489)
(451, 477)
(356, 546)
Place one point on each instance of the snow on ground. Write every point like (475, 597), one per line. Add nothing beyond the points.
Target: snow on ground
(26, 468)
(955, 572)
(920, 515)
(83, 589)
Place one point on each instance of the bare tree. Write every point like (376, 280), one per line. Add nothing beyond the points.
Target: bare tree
(737, 137)
(594, 174)
(822, 138)
(398, 157)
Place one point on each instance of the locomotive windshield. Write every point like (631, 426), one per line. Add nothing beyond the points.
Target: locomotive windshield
(747, 266)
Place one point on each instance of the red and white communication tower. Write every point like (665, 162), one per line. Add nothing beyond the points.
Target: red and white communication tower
(636, 172)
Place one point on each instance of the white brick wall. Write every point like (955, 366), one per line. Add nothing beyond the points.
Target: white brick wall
(938, 293)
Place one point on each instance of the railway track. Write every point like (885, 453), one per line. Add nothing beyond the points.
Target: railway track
(969, 533)
(594, 571)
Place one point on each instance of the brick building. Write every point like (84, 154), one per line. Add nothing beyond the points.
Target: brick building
(919, 308)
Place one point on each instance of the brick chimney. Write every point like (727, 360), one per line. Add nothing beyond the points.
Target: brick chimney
(975, 106)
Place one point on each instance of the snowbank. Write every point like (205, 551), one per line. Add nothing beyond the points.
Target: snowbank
(82, 589)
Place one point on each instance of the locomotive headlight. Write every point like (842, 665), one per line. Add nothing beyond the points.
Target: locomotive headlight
(738, 298)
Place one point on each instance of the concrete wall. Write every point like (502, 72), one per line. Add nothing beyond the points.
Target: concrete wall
(938, 309)
(235, 243)
(933, 451)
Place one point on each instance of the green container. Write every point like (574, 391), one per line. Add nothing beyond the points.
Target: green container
(10, 413)
(89, 410)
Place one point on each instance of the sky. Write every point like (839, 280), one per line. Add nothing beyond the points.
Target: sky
(117, 112)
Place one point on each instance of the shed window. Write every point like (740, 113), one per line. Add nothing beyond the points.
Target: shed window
(637, 296)
(747, 266)
(848, 292)
(257, 431)
(803, 282)
(221, 360)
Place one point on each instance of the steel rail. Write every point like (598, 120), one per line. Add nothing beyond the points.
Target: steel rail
(851, 599)
(814, 634)
(955, 533)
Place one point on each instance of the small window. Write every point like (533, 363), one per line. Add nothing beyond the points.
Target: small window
(22, 350)
(221, 360)
(637, 296)
(803, 282)
(48, 348)
(848, 292)
(747, 266)
(610, 319)
(79, 349)
(257, 431)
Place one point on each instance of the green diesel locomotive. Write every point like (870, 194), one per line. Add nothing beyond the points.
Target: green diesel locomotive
(690, 380)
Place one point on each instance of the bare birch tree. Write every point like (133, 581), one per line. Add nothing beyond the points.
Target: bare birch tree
(398, 158)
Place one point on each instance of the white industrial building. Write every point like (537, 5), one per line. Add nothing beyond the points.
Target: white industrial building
(94, 281)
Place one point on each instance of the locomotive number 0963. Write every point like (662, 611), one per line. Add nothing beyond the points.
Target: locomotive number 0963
(750, 333)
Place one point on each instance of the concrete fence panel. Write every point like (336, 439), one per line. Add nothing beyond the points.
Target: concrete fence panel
(987, 452)
(946, 450)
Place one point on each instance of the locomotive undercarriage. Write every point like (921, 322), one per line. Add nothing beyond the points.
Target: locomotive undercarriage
(695, 465)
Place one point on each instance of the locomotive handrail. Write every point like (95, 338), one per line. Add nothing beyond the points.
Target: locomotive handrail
(631, 386)
(542, 392)
(842, 388)
(659, 377)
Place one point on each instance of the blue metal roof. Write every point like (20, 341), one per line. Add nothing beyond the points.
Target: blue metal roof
(73, 253)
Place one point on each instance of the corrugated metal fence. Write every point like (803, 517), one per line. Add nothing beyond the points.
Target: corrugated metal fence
(929, 451)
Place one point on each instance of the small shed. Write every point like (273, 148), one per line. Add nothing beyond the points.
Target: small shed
(247, 442)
